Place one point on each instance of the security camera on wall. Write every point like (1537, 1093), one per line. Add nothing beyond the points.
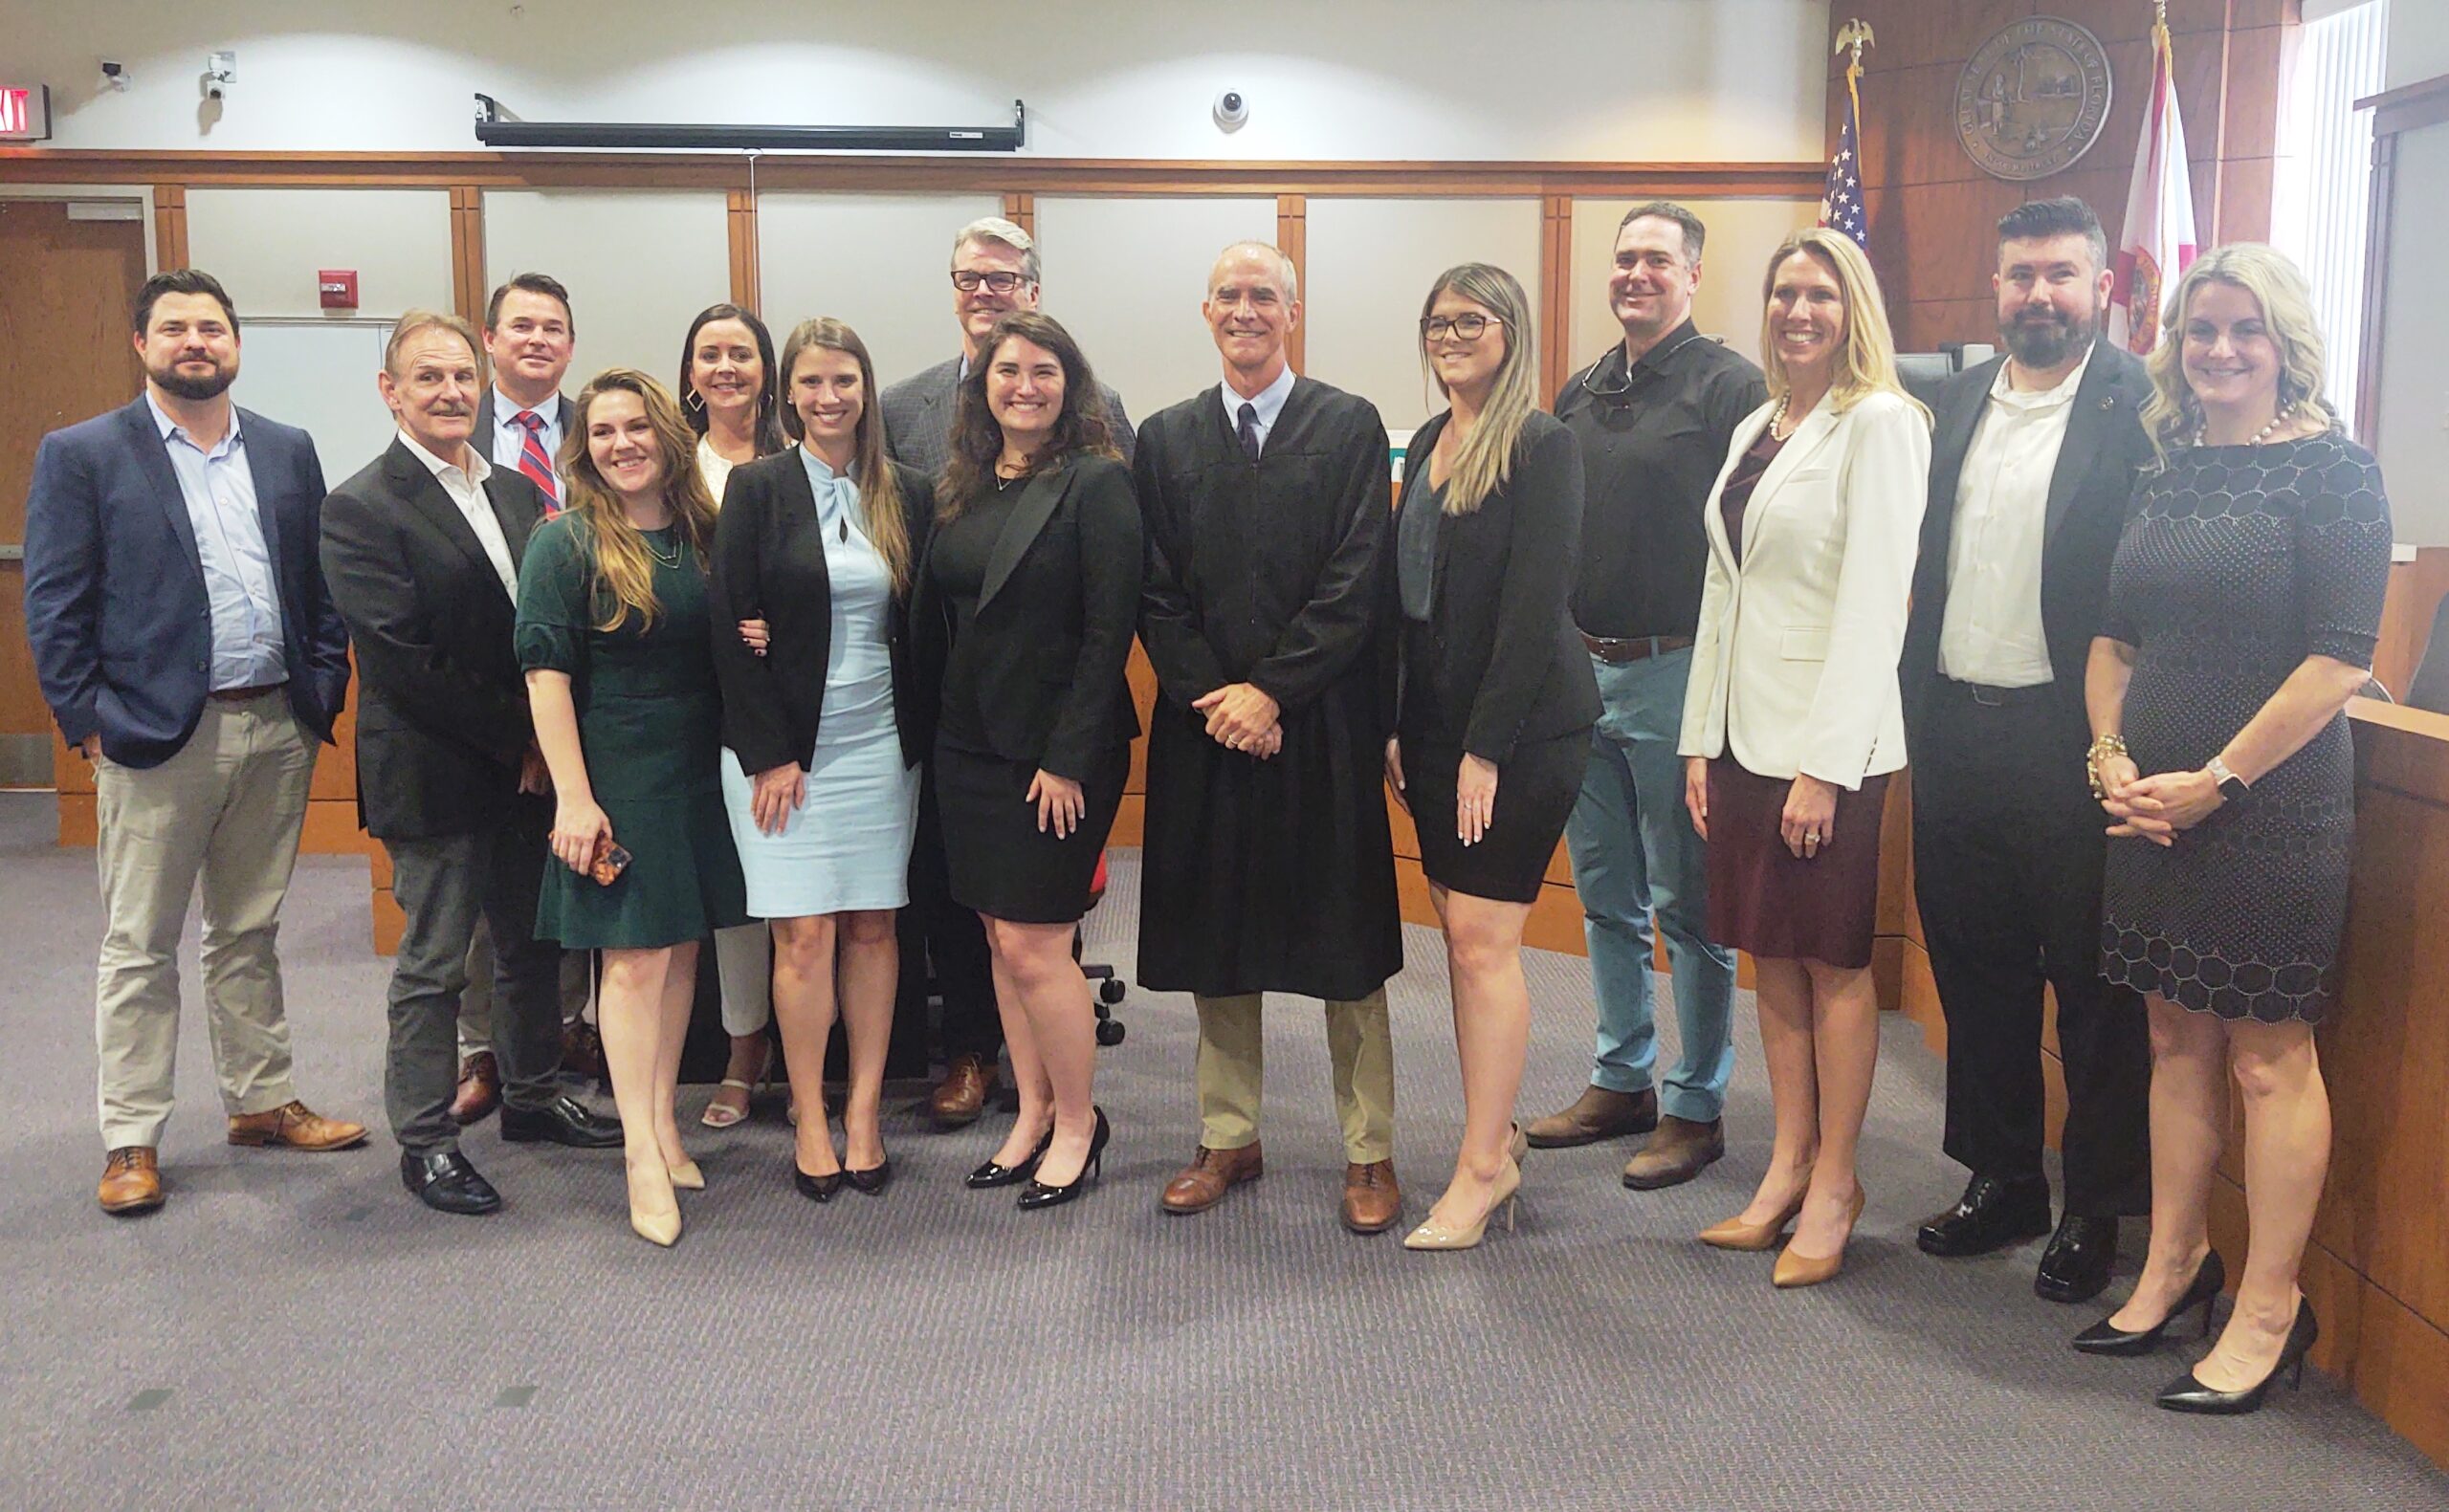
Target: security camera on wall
(1232, 110)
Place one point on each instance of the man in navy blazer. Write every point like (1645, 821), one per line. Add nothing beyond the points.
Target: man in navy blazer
(188, 649)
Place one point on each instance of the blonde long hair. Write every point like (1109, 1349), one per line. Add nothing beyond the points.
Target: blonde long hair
(2172, 415)
(624, 568)
(882, 515)
(1485, 459)
(1867, 363)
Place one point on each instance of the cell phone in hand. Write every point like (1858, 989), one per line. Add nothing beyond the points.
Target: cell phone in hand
(609, 861)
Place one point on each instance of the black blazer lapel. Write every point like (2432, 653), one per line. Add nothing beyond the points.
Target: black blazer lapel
(1953, 440)
(423, 492)
(153, 458)
(1027, 518)
(2086, 445)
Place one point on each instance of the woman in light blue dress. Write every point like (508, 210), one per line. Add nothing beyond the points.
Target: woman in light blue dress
(821, 543)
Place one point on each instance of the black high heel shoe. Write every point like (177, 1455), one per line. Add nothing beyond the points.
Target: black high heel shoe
(992, 1175)
(2210, 1279)
(816, 1188)
(1038, 1194)
(2186, 1394)
(872, 1179)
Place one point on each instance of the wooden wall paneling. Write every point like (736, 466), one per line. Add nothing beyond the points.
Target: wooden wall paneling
(170, 225)
(1292, 239)
(1020, 210)
(1554, 292)
(2416, 590)
(746, 281)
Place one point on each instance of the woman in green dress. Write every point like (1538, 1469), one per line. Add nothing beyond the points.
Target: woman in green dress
(612, 634)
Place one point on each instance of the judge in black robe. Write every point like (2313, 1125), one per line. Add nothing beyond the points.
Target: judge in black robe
(1268, 864)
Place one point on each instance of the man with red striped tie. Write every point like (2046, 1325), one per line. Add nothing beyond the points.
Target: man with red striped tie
(521, 422)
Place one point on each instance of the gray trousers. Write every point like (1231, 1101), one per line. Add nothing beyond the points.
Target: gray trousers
(444, 886)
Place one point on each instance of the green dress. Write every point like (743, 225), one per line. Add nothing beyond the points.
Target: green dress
(650, 723)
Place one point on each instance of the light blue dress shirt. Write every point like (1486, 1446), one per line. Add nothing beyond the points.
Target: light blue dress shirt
(219, 490)
(509, 436)
(1267, 404)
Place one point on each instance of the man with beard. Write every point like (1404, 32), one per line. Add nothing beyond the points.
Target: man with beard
(189, 650)
(2033, 469)
(1268, 865)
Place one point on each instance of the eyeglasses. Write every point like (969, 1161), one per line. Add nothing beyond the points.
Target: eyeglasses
(1598, 384)
(1462, 327)
(968, 282)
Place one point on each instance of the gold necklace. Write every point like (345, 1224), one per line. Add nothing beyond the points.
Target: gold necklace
(677, 548)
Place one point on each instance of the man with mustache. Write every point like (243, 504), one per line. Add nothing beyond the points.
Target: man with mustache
(188, 648)
(421, 550)
(2031, 473)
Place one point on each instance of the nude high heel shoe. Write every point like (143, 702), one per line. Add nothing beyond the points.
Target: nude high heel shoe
(658, 1222)
(1810, 1270)
(1434, 1236)
(687, 1176)
(1733, 1234)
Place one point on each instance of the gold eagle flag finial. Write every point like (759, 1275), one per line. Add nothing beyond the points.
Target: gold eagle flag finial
(1856, 35)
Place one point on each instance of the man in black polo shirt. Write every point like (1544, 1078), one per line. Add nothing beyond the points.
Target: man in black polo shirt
(1655, 417)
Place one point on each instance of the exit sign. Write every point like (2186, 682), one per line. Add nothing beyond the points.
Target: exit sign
(24, 113)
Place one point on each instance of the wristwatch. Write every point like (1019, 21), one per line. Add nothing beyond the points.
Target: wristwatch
(2232, 787)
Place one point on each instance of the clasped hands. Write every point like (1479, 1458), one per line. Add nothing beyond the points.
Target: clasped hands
(2156, 808)
(1240, 717)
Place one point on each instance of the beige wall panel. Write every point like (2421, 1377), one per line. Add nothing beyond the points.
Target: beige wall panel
(266, 245)
(2414, 416)
(639, 265)
(1742, 234)
(1371, 263)
(1126, 277)
(877, 261)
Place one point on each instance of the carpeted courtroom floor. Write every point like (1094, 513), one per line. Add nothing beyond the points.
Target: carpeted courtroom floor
(294, 1331)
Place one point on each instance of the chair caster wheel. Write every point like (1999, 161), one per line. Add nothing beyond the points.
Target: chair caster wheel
(1109, 1033)
(1110, 991)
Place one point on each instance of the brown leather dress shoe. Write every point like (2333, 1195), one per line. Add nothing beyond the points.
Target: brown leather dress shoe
(296, 1127)
(582, 1050)
(1678, 1152)
(479, 1090)
(969, 1081)
(131, 1181)
(1371, 1202)
(1597, 1115)
(1202, 1184)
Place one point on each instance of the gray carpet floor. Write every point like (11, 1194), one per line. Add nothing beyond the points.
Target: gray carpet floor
(293, 1330)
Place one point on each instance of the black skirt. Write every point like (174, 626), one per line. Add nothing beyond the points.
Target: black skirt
(1002, 864)
(1535, 792)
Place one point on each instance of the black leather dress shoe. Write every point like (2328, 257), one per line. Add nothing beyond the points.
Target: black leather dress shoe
(444, 1182)
(1991, 1215)
(2075, 1267)
(563, 1121)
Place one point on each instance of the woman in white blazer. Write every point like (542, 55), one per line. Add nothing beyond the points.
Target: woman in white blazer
(1793, 719)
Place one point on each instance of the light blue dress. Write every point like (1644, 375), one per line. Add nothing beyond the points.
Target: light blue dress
(847, 846)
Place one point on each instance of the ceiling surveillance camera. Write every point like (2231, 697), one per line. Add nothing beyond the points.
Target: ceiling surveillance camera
(220, 71)
(1232, 110)
(114, 74)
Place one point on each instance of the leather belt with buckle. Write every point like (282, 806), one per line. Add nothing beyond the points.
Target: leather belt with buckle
(1639, 648)
(1990, 698)
(234, 695)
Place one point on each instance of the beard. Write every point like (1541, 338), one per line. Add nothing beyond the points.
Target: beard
(2048, 341)
(195, 388)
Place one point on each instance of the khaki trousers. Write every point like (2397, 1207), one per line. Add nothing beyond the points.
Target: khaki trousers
(1360, 1045)
(226, 810)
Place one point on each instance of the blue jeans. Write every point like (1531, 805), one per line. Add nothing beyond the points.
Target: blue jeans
(1634, 853)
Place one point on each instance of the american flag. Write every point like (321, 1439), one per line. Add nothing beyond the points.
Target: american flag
(1841, 201)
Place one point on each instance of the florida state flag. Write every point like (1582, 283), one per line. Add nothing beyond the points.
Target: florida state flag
(2158, 241)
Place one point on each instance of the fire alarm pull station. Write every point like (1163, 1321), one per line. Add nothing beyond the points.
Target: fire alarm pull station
(339, 288)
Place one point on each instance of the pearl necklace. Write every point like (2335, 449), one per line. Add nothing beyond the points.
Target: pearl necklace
(2203, 432)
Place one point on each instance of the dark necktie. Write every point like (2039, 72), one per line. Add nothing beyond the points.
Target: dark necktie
(1250, 430)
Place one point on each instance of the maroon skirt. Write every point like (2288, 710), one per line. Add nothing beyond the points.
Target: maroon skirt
(1765, 899)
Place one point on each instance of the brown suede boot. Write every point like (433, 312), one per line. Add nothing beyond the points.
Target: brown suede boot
(1677, 1152)
(1597, 1115)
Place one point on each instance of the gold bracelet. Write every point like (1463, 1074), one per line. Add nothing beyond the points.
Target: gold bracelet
(2103, 747)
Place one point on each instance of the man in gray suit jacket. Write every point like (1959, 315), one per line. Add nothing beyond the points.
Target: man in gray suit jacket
(994, 270)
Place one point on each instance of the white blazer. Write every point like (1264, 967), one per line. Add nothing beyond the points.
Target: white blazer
(1794, 665)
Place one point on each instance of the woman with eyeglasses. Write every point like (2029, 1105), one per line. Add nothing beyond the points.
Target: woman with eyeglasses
(1496, 697)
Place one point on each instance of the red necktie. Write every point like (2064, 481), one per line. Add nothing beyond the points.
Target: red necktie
(531, 461)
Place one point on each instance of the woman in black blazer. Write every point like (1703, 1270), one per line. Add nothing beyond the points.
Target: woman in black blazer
(1495, 695)
(821, 543)
(1024, 622)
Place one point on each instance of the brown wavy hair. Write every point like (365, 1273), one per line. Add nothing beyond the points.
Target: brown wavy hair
(882, 515)
(767, 431)
(978, 438)
(623, 569)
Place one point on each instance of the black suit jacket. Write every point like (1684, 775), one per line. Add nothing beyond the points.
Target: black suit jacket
(443, 719)
(2092, 495)
(482, 438)
(769, 563)
(1046, 652)
(1506, 655)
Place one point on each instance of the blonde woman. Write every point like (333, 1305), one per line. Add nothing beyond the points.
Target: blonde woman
(2243, 603)
(612, 634)
(819, 546)
(1497, 698)
(1792, 720)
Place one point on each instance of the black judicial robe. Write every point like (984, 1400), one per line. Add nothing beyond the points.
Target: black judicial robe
(1275, 875)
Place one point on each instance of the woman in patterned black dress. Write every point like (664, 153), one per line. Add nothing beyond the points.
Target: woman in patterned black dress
(2242, 610)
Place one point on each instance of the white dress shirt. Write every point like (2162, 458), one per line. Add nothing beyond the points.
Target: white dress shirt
(714, 467)
(467, 492)
(1267, 403)
(1992, 632)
